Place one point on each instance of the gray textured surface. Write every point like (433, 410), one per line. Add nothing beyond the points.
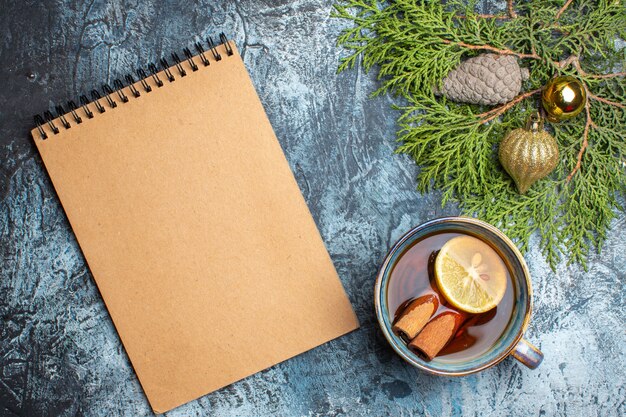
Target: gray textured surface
(59, 353)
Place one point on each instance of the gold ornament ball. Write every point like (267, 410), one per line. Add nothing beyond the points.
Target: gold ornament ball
(529, 154)
(563, 98)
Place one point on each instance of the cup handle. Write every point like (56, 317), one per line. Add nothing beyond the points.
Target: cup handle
(527, 353)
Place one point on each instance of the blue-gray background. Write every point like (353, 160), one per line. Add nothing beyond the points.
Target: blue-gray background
(59, 353)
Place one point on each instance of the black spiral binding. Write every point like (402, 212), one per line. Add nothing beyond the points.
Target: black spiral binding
(116, 93)
(72, 107)
(213, 49)
(131, 85)
(95, 96)
(142, 78)
(189, 56)
(108, 91)
(166, 69)
(84, 103)
(117, 83)
(49, 120)
(61, 115)
(155, 75)
(200, 50)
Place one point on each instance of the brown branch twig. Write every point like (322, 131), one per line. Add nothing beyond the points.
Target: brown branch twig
(493, 113)
(533, 50)
(485, 16)
(562, 9)
(588, 125)
(615, 74)
(571, 60)
(574, 60)
(605, 101)
(492, 49)
(511, 9)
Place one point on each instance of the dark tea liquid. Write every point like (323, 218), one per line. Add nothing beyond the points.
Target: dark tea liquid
(410, 279)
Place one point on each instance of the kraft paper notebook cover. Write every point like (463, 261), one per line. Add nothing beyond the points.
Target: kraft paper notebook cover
(193, 226)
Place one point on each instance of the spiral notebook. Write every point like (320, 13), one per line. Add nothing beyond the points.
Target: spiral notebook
(192, 224)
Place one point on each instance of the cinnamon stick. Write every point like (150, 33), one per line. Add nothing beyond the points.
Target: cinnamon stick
(437, 333)
(462, 339)
(415, 316)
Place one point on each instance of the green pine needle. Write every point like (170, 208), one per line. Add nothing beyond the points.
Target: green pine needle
(414, 44)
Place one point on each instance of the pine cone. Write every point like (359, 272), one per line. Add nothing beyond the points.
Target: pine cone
(484, 79)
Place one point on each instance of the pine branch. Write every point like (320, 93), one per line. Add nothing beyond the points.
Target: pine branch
(415, 43)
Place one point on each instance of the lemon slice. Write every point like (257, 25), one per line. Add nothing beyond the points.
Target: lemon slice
(470, 274)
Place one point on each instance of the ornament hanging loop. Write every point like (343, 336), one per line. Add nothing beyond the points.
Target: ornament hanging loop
(534, 123)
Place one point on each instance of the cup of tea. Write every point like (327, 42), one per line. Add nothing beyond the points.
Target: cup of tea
(448, 327)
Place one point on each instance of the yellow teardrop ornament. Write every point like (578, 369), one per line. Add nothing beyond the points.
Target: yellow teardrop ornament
(529, 154)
